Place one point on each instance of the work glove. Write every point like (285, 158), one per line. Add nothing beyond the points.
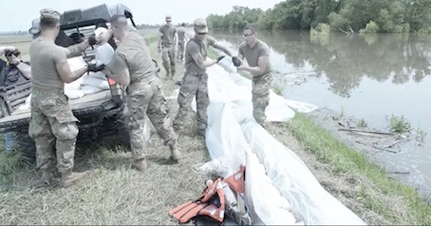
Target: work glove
(220, 58)
(236, 61)
(95, 68)
(92, 41)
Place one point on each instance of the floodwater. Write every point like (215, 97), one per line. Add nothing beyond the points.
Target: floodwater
(368, 77)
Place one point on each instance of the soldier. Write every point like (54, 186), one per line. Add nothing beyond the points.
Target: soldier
(195, 79)
(52, 124)
(181, 41)
(167, 45)
(257, 54)
(132, 67)
(13, 71)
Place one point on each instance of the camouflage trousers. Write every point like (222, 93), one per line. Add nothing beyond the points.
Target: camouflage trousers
(194, 85)
(168, 59)
(53, 128)
(145, 98)
(261, 86)
(180, 53)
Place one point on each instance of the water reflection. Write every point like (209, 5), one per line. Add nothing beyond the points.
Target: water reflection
(369, 77)
(346, 60)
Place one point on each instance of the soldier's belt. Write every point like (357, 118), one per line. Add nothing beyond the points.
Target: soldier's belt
(145, 78)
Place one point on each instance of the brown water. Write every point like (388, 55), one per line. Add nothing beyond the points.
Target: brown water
(368, 77)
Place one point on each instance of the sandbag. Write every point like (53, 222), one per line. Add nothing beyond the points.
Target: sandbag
(92, 80)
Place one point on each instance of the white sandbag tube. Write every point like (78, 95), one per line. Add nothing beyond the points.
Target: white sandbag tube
(295, 181)
(227, 147)
(230, 108)
(270, 207)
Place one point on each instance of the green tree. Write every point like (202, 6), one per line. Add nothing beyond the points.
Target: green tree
(389, 15)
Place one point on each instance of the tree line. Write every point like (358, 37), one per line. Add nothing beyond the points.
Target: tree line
(143, 26)
(391, 16)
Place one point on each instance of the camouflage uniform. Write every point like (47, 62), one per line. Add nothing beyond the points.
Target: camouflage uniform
(168, 47)
(144, 94)
(52, 125)
(261, 84)
(181, 42)
(195, 84)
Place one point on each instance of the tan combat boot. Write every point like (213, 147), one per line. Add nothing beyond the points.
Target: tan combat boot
(69, 178)
(175, 153)
(140, 165)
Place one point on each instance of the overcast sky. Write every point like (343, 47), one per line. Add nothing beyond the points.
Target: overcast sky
(18, 14)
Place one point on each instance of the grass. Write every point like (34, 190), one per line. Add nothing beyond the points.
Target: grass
(115, 194)
(343, 159)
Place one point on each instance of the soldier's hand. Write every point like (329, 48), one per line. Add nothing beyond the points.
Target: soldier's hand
(95, 68)
(92, 40)
(236, 61)
(12, 59)
(220, 58)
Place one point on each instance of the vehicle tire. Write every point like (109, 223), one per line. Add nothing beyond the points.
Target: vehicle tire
(115, 133)
(26, 146)
(123, 133)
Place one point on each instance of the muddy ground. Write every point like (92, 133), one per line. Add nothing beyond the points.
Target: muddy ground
(370, 140)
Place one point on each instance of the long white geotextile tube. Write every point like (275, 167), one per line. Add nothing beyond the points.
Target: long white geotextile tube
(232, 132)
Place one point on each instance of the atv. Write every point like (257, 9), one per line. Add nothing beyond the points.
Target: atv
(99, 114)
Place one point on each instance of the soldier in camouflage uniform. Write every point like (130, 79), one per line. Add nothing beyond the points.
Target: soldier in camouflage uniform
(256, 52)
(195, 81)
(132, 67)
(181, 42)
(52, 125)
(167, 46)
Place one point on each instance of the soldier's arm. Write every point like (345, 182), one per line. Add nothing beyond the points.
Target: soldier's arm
(262, 63)
(3, 49)
(161, 38)
(175, 37)
(213, 43)
(194, 51)
(118, 70)
(76, 50)
(25, 69)
(240, 53)
(59, 57)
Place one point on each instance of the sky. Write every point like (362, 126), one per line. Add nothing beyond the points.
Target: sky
(18, 16)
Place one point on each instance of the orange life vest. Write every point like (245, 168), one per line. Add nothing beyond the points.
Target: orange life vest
(212, 203)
